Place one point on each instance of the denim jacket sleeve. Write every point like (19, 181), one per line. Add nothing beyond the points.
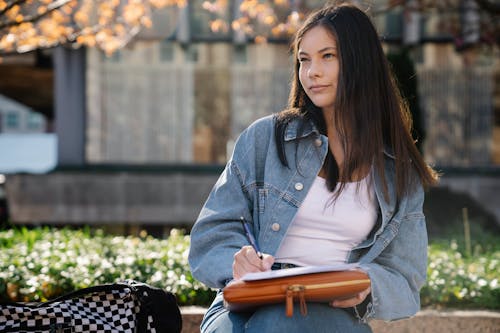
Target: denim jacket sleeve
(398, 272)
(218, 234)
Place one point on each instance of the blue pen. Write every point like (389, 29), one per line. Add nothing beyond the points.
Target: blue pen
(250, 237)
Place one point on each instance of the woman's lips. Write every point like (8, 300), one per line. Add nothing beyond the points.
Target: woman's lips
(318, 88)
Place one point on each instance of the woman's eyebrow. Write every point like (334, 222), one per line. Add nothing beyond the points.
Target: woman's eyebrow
(328, 48)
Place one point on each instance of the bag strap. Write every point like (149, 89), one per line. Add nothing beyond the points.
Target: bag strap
(141, 291)
(89, 290)
(74, 294)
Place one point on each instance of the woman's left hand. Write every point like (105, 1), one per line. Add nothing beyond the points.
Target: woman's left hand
(353, 301)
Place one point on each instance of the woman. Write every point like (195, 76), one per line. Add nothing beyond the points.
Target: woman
(334, 178)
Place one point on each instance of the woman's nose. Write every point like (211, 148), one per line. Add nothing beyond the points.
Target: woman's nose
(314, 69)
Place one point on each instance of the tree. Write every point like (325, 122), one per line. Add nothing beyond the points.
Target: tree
(26, 25)
(467, 22)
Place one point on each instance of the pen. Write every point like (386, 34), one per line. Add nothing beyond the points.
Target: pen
(250, 237)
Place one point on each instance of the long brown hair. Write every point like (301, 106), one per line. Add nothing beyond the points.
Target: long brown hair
(370, 113)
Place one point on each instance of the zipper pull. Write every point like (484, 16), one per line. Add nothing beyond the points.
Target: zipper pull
(290, 291)
(289, 302)
(302, 302)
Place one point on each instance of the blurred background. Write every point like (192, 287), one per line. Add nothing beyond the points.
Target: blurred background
(121, 114)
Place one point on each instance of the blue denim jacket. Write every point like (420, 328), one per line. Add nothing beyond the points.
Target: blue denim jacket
(258, 187)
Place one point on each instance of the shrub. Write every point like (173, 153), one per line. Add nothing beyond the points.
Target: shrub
(39, 264)
(42, 263)
(458, 280)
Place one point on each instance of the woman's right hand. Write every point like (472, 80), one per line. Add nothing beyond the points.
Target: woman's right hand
(246, 261)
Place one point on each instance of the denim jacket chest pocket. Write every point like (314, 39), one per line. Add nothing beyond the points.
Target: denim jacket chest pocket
(273, 204)
(277, 205)
(269, 196)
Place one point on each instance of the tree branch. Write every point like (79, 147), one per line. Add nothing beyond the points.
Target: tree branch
(50, 8)
(11, 5)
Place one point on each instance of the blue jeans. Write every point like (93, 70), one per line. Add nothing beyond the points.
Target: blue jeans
(268, 319)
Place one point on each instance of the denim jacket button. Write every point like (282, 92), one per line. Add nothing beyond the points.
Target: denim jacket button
(275, 227)
(299, 186)
(318, 142)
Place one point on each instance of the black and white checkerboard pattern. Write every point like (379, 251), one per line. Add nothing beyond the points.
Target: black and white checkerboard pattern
(105, 312)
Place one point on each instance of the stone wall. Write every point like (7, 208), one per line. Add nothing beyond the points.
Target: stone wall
(427, 321)
(173, 197)
(88, 197)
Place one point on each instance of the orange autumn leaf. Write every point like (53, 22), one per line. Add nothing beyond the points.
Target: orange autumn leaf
(121, 20)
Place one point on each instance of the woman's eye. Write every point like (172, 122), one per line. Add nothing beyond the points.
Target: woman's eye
(303, 59)
(328, 55)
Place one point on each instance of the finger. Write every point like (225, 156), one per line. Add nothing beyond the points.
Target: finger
(247, 254)
(242, 264)
(238, 272)
(347, 303)
(267, 262)
(246, 260)
(250, 258)
(240, 269)
(353, 301)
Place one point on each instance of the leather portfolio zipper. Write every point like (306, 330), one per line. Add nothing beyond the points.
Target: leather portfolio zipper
(300, 289)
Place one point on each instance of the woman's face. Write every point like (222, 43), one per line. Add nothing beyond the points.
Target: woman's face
(319, 67)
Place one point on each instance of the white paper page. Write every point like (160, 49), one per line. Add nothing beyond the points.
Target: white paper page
(297, 271)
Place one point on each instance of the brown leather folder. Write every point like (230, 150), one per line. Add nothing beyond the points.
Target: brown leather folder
(241, 295)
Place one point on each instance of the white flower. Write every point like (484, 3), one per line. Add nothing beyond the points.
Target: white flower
(157, 277)
(482, 282)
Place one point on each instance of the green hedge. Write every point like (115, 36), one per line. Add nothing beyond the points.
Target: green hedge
(39, 264)
(457, 278)
(42, 263)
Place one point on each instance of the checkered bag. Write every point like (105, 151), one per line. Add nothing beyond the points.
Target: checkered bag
(125, 307)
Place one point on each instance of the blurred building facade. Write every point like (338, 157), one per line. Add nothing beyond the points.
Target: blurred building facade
(186, 98)
(154, 123)
(18, 118)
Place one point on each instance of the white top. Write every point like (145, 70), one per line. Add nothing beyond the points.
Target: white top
(323, 232)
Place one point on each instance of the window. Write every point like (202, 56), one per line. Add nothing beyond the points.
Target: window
(240, 54)
(167, 51)
(12, 120)
(393, 25)
(191, 53)
(35, 122)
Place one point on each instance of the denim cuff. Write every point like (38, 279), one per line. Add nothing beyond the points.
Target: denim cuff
(364, 310)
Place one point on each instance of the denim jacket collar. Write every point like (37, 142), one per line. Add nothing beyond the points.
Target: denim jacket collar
(292, 129)
(292, 133)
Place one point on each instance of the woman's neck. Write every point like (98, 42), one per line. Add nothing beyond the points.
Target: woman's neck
(334, 141)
